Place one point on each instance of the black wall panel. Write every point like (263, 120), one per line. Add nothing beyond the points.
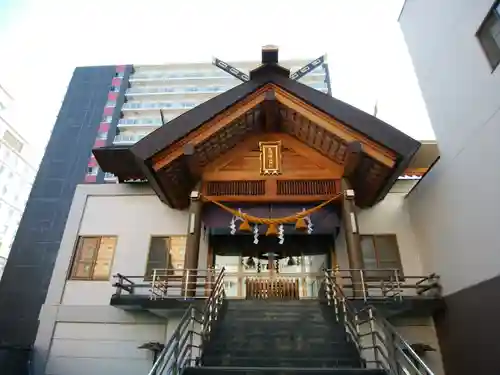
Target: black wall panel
(27, 274)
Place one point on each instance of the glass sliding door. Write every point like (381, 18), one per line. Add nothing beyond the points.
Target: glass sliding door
(271, 268)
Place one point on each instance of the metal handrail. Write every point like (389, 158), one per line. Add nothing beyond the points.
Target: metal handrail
(387, 282)
(178, 351)
(167, 283)
(387, 350)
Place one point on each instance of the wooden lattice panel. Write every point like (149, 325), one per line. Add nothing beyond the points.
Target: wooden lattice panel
(307, 187)
(313, 135)
(220, 188)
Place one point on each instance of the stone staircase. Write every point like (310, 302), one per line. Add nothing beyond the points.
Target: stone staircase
(280, 337)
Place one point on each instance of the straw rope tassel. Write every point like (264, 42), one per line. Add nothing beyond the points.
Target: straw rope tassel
(269, 221)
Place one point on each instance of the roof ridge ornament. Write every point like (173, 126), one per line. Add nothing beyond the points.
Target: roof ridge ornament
(270, 54)
(228, 68)
(306, 69)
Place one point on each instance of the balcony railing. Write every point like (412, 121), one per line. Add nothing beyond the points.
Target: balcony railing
(386, 283)
(168, 284)
(109, 177)
(200, 74)
(128, 138)
(141, 121)
(159, 105)
(178, 90)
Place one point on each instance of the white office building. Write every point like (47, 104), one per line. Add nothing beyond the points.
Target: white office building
(17, 172)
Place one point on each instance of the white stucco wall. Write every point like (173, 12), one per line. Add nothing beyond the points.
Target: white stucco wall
(455, 210)
(79, 331)
(388, 217)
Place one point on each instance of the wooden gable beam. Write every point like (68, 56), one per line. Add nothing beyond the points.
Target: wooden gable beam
(208, 129)
(353, 157)
(327, 169)
(377, 152)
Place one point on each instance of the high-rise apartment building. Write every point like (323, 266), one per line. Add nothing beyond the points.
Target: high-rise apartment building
(455, 49)
(104, 106)
(17, 172)
(156, 94)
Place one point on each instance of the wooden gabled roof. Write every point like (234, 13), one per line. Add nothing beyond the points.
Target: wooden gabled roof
(172, 156)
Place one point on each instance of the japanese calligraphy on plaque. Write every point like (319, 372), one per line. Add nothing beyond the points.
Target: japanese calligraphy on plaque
(270, 158)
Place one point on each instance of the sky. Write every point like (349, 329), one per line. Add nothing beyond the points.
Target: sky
(43, 41)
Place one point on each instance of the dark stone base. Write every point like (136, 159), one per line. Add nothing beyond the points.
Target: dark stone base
(14, 361)
(469, 329)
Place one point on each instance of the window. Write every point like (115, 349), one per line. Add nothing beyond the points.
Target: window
(102, 135)
(166, 253)
(93, 257)
(489, 35)
(381, 252)
(12, 141)
(111, 103)
(92, 171)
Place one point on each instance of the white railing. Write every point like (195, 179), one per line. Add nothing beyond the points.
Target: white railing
(141, 121)
(109, 176)
(178, 90)
(159, 105)
(128, 138)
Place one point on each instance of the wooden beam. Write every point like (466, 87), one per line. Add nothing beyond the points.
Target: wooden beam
(352, 238)
(191, 161)
(208, 129)
(287, 141)
(376, 151)
(353, 157)
(415, 171)
(267, 198)
(192, 253)
(271, 119)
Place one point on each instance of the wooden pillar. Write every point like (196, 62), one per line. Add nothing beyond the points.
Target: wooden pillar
(193, 243)
(352, 237)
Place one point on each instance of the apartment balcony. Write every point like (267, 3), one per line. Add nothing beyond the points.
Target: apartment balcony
(146, 122)
(110, 177)
(127, 139)
(172, 108)
(174, 76)
(202, 91)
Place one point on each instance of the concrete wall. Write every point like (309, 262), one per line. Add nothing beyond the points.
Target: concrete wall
(422, 331)
(389, 217)
(79, 331)
(455, 210)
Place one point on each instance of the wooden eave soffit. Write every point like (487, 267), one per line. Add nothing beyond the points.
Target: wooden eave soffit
(329, 124)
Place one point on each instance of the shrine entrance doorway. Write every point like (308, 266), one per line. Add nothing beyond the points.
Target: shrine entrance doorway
(268, 270)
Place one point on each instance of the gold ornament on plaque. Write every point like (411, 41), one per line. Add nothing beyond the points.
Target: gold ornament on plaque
(270, 158)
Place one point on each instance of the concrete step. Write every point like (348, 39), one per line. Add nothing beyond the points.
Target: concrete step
(282, 361)
(303, 330)
(282, 342)
(339, 351)
(278, 371)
